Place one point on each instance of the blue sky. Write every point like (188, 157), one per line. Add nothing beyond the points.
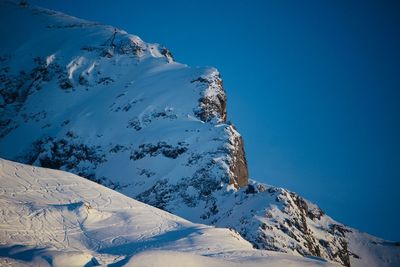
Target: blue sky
(313, 87)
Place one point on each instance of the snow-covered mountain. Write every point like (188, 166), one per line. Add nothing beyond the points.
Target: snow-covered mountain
(101, 103)
(51, 217)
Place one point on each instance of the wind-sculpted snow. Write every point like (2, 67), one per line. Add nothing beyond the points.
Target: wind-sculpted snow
(101, 103)
(54, 218)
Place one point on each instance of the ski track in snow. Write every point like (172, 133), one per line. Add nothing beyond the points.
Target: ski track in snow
(49, 214)
(101, 103)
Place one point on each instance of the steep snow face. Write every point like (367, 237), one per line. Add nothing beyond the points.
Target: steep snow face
(101, 103)
(51, 217)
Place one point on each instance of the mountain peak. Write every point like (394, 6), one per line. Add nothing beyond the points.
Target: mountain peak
(93, 100)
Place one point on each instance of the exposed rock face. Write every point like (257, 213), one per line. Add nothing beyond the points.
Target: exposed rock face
(212, 103)
(103, 104)
(238, 166)
(212, 106)
(279, 220)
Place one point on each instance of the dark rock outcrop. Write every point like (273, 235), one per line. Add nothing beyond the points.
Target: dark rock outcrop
(107, 106)
(238, 166)
(212, 103)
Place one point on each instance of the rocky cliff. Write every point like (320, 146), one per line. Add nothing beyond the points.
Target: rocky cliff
(101, 103)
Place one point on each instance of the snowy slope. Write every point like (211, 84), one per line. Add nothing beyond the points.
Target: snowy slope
(276, 219)
(101, 103)
(57, 218)
(92, 99)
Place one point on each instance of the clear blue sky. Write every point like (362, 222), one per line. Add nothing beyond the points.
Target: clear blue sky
(313, 86)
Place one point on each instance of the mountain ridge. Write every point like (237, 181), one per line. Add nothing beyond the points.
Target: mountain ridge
(93, 100)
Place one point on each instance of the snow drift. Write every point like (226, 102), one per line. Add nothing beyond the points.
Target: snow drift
(55, 218)
(101, 103)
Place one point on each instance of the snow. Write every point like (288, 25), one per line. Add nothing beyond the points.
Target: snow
(96, 101)
(55, 218)
(50, 59)
(168, 258)
(375, 251)
(150, 86)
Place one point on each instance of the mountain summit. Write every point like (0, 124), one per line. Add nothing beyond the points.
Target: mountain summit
(96, 101)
